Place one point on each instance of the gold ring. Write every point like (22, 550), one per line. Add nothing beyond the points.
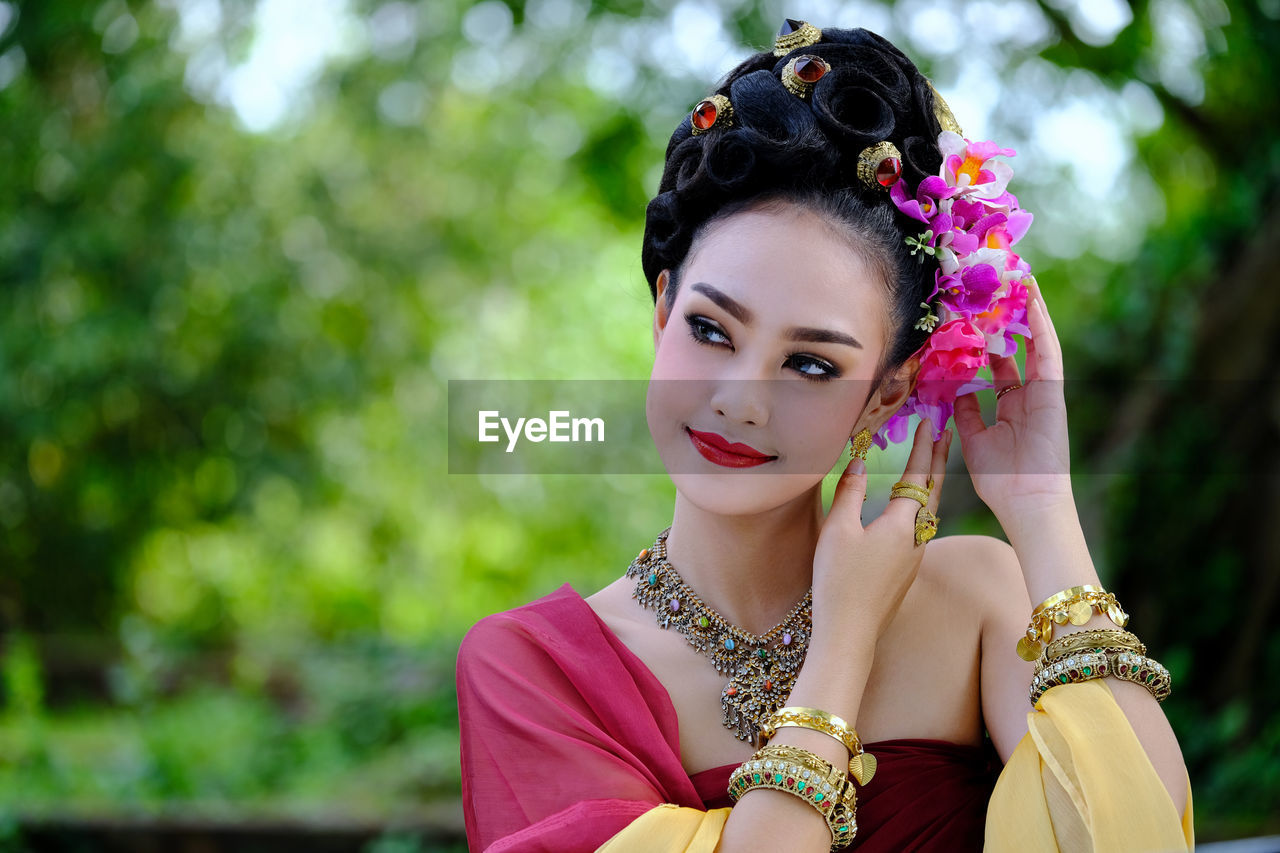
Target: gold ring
(902, 489)
(1007, 389)
(926, 526)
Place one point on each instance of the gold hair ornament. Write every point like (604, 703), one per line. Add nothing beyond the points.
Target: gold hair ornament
(802, 73)
(942, 111)
(712, 112)
(880, 165)
(793, 35)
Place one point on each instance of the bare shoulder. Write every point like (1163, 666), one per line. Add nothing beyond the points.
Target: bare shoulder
(981, 571)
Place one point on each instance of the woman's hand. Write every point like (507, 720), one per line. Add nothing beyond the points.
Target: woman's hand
(1022, 461)
(861, 573)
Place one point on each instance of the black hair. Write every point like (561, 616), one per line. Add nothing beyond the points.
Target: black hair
(782, 149)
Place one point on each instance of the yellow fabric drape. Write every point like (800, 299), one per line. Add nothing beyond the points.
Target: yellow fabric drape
(670, 828)
(1079, 780)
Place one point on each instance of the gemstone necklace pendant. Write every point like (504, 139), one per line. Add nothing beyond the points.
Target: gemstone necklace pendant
(760, 670)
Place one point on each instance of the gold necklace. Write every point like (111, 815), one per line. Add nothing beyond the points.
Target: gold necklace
(761, 668)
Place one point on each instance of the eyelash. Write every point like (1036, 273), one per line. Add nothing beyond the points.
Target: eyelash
(699, 326)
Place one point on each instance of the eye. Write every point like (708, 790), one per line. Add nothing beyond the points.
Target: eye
(706, 331)
(813, 368)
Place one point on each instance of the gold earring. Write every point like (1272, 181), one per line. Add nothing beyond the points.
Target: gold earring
(861, 443)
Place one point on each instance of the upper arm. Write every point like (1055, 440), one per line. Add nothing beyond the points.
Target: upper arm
(1005, 677)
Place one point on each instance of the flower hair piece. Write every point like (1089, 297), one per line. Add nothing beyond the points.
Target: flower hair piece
(971, 222)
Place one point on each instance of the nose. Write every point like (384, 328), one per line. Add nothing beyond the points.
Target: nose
(744, 401)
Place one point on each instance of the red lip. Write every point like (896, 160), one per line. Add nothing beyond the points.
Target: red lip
(715, 449)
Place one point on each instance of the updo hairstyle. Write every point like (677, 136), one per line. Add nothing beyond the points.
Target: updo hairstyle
(783, 149)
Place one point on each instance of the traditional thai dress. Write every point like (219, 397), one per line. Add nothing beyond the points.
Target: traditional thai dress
(570, 743)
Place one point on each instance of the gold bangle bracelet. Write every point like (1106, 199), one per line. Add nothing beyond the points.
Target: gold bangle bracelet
(862, 764)
(1073, 605)
(1090, 641)
(805, 775)
(1087, 666)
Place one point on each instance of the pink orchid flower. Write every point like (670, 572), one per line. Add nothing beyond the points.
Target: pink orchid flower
(973, 223)
(969, 289)
(969, 166)
(924, 206)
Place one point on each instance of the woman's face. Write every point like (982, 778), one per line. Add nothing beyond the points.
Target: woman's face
(765, 361)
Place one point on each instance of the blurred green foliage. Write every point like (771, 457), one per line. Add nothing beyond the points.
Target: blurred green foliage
(233, 568)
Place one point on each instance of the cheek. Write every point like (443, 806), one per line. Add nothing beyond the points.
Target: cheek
(823, 411)
(678, 355)
(673, 400)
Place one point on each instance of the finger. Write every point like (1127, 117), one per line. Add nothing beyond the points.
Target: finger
(1033, 361)
(1048, 364)
(968, 416)
(851, 488)
(938, 469)
(1033, 287)
(1005, 372)
(917, 470)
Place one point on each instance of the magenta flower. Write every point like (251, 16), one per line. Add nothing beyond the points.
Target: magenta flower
(924, 206)
(968, 290)
(973, 223)
(951, 357)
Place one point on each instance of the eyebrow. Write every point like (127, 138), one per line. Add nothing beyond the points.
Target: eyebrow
(743, 315)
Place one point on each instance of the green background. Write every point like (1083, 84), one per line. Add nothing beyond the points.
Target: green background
(233, 567)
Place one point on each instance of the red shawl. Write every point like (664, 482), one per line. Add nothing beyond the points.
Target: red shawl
(567, 737)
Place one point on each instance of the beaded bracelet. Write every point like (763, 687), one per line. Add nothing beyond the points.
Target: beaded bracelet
(862, 764)
(1142, 670)
(1075, 605)
(1072, 670)
(807, 776)
(818, 766)
(1084, 667)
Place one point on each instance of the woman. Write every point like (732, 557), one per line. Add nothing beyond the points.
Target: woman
(828, 256)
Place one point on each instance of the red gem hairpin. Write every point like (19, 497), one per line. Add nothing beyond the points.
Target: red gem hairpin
(880, 165)
(715, 111)
(802, 72)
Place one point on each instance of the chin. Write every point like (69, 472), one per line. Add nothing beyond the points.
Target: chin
(743, 493)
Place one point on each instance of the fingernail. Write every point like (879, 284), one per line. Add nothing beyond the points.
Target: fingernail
(858, 466)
